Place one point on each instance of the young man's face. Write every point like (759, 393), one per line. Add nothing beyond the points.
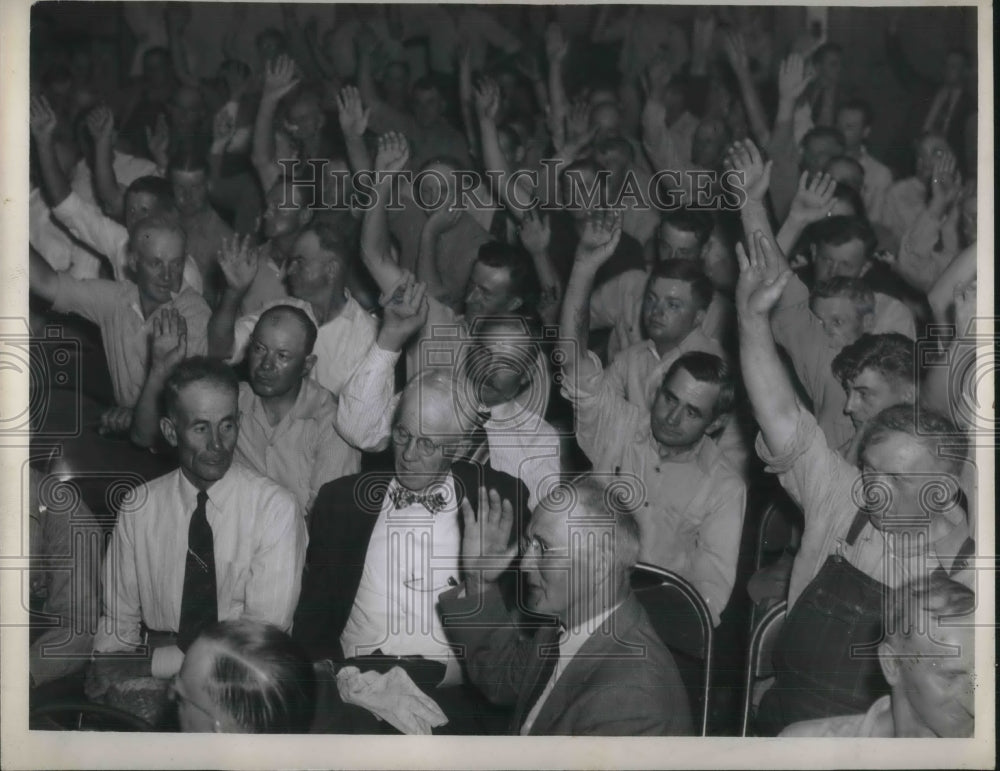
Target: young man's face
(848, 260)
(577, 188)
(606, 118)
(138, 206)
(677, 244)
(190, 191)
(684, 410)
(669, 311)
(708, 144)
(277, 356)
(851, 123)
(304, 120)
(281, 214)
(933, 673)
(929, 150)
(157, 259)
(186, 109)
(901, 477)
(818, 151)
(427, 107)
(204, 429)
(829, 67)
(489, 292)
(842, 322)
(871, 392)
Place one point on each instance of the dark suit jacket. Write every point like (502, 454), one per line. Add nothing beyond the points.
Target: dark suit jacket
(621, 683)
(341, 524)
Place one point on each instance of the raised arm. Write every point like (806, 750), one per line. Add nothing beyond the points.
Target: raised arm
(353, 117)
(42, 280)
(465, 97)
(598, 242)
(428, 270)
(487, 98)
(177, 16)
(279, 79)
(736, 52)
(298, 43)
(793, 78)
(376, 252)
(43, 122)
(556, 48)
(168, 348)
(771, 393)
(813, 201)
(101, 124)
(239, 264)
(960, 272)
(536, 237)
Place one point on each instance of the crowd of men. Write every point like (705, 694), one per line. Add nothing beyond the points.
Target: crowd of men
(438, 355)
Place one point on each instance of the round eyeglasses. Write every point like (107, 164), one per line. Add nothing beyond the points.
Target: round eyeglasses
(402, 437)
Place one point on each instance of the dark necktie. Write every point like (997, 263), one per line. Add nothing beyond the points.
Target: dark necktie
(200, 602)
(477, 442)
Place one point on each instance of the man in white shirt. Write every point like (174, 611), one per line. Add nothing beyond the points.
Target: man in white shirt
(854, 121)
(594, 665)
(258, 538)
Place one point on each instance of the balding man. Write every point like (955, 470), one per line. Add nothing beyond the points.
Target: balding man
(316, 276)
(383, 546)
(595, 665)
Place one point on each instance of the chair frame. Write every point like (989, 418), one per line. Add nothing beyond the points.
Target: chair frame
(761, 628)
(675, 581)
(98, 710)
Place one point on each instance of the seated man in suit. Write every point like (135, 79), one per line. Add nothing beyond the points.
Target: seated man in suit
(209, 541)
(383, 546)
(595, 665)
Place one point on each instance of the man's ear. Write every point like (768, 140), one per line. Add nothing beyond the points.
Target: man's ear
(169, 430)
(308, 365)
(718, 423)
(131, 258)
(865, 132)
(888, 659)
(699, 318)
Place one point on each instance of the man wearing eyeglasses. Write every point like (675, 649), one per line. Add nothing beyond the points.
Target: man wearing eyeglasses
(594, 665)
(383, 546)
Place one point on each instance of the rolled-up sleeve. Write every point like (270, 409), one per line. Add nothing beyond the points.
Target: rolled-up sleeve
(368, 401)
(95, 229)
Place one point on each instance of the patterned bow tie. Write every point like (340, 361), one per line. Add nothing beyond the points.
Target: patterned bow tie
(433, 502)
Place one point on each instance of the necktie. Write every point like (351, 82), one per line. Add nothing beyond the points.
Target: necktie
(477, 441)
(199, 602)
(433, 502)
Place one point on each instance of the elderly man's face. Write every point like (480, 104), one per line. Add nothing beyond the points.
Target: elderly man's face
(277, 356)
(427, 107)
(281, 214)
(158, 262)
(677, 244)
(933, 674)
(204, 429)
(425, 422)
(851, 124)
(489, 292)
(847, 260)
(190, 191)
(842, 322)
(309, 269)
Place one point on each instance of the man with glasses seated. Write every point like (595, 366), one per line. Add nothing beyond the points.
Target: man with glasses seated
(384, 545)
(594, 664)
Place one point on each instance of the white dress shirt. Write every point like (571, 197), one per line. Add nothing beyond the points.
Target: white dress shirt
(259, 542)
(413, 556)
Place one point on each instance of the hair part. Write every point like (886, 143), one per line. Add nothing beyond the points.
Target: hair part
(891, 355)
(197, 369)
(707, 368)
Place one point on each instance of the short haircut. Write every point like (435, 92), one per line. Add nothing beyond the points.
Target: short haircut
(260, 677)
(837, 231)
(914, 607)
(607, 502)
(275, 34)
(941, 438)
(155, 186)
(190, 156)
(858, 105)
(690, 272)
(157, 222)
(517, 262)
(825, 132)
(852, 197)
(891, 355)
(849, 161)
(330, 240)
(299, 315)
(700, 223)
(827, 48)
(707, 368)
(856, 290)
(197, 369)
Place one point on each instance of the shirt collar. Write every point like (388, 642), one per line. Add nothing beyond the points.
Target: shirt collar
(572, 640)
(218, 493)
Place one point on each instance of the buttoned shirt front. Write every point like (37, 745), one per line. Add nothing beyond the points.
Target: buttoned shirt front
(303, 451)
(114, 306)
(259, 544)
(413, 556)
(876, 723)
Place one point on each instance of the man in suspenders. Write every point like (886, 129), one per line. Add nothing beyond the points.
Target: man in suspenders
(901, 517)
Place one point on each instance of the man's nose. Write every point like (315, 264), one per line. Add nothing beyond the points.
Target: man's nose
(852, 405)
(674, 416)
(410, 450)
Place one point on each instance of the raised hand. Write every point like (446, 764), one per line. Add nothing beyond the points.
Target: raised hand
(42, 119)
(101, 123)
(279, 78)
(744, 156)
(577, 121)
(239, 262)
(223, 128)
(487, 99)
(793, 77)
(762, 279)
(814, 199)
(657, 77)
(393, 152)
(946, 183)
(168, 343)
(405, 311)
(351, 112)
(487, 550)
(736, 51)
(599, 239)
(158, 141)
(117, 420)
(536, 232)
(556, 45)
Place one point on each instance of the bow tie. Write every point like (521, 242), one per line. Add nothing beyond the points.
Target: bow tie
(433, 502)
